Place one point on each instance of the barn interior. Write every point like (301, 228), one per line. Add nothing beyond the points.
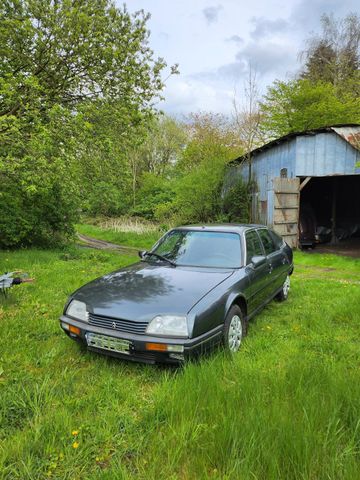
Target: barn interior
(330, 211)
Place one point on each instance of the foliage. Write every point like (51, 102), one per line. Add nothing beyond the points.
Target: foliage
(286, 406)
(78, 82)
(300, 105)
(327, 90)
(334, 55)
(197, 194)
(210, 136)
(65, 52)
(163, 145)
(236, 202)
(154, 190)
(198, 175)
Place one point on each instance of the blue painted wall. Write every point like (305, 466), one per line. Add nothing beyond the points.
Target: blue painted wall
(319, 154)
(325, 154)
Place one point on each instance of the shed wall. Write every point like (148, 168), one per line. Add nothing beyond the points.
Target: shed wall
(325, 154)
(307, 155)
(268, 164)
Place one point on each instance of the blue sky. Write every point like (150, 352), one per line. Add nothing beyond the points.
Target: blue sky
(214, 42)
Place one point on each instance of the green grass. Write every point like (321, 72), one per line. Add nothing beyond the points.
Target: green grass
(286, 407)
(132, 239)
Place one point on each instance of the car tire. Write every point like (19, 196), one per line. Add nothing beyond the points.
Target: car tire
(235, 329)
(284, 292)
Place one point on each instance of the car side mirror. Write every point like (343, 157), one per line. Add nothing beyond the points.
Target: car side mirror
(142, 253)
(258, 260)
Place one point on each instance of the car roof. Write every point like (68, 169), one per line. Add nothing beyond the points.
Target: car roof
(223, 227)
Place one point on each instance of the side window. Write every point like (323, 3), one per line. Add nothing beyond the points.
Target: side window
(253, 245)
(278, 241)
(267, 241)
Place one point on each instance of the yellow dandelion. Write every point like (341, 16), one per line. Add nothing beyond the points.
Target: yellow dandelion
(75, 432)
(75, 444)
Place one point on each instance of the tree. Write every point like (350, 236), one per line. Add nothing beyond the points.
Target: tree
(197, 177)
(64, 66)
(69, 51)
(300, 105)
(163, 144)
(247, 116)
(334, 55)
(209, 135)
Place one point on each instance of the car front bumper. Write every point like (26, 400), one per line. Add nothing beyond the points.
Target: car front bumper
(138, 345)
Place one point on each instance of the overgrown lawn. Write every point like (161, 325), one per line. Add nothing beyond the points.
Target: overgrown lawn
(286, 407)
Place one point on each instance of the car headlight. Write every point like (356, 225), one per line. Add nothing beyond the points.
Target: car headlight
(77, 310)
(172, 325)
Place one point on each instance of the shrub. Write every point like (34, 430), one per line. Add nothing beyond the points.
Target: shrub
(236, 202)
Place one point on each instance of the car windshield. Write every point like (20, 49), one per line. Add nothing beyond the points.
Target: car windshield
(201, 248)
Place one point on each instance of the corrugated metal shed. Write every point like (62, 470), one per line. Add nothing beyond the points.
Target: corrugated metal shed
(324, 152)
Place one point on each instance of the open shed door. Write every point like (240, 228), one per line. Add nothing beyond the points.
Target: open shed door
(286, 204)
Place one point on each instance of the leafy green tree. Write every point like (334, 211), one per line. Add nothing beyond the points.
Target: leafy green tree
(300, 105)
(334, 55)
(163, 145)
(63, 66)
(73, 50)
(154, 192)
(198, 175)
(209, 135)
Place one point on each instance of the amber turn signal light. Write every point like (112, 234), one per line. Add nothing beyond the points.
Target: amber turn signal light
(75, 330)
(158, 347)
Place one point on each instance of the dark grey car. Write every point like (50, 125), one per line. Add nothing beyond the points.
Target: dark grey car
(199, 286)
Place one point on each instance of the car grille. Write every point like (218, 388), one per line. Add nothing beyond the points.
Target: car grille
(117, 324)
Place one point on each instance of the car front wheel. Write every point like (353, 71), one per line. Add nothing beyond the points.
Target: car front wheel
(234, 329)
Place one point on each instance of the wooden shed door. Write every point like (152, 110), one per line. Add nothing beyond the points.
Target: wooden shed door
(286, 203)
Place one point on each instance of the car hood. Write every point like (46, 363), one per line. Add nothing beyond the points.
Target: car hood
(144, 290)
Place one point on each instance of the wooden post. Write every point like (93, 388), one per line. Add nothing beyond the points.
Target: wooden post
(333, 211)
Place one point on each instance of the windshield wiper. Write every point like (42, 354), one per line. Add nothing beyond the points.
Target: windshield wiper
(160, 257)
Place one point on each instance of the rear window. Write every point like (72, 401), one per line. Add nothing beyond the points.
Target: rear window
(278, 241)
(267, 241)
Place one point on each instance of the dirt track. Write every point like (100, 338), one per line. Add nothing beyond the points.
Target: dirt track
(103, 245)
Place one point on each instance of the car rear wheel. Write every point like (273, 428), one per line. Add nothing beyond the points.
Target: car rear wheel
(234, 329)
(284, 292)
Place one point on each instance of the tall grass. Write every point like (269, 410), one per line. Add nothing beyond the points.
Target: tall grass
(128, 224)
(285, 407)
(123, 231)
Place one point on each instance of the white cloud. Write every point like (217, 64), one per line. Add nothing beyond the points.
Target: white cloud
(211, 14)
(214, 54)
(189, 95)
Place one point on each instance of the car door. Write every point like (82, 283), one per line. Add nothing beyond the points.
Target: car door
(282, 248)
(275, 262)
(258, 276)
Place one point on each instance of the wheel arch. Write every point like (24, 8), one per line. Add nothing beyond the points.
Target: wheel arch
(238, 300)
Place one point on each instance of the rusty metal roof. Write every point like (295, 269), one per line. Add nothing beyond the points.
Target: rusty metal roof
(349, 132)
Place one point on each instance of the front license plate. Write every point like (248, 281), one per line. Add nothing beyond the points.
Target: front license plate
(110, 344)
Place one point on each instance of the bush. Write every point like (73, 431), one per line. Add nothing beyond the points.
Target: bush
(236, 202)
(44, 217)
(197, 195)
(154, 192)
(105, 199)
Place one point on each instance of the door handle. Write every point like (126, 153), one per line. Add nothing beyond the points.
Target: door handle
(270, 268)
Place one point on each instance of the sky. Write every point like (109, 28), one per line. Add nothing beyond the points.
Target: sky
(215, 41)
